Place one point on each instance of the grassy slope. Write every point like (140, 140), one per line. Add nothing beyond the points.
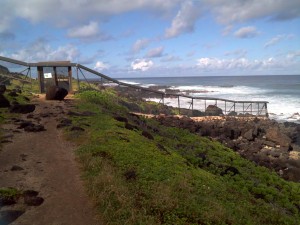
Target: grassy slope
(134, 181)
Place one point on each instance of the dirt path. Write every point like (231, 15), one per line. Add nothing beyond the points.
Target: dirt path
(47, 165)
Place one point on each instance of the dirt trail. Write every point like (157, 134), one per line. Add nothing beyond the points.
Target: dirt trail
(49, 167)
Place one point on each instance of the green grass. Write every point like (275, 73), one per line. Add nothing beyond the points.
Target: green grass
(9, 192)
(133, 181)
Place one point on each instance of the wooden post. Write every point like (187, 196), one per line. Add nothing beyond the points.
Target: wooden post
(267, 114)
(55, 76)
(178, 105)
(41, 79)
(192, 106)
(78, 85)
(70, 78)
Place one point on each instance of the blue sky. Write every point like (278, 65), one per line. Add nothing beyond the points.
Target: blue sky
(146, 38)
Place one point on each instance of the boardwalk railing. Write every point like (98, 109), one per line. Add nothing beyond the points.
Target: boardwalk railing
(193, 103)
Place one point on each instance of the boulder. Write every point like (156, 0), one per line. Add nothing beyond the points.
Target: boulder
(273, 134)
(28, 108)
(121, 119)
(33, 200)
(4, 103)
(56, 93)
(213, 110)
(13, 94)
(249, 135)
(232, 113)
(2, 88)
(4, 69)
(8, 216)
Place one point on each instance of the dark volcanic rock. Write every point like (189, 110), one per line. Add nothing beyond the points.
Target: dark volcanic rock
(76, 128)
(16, 168)
(230, 170)
(25, 124)
(121, 119)
(5, 200)
(56, 93)
(13, 94)
(249, 135)
(213, 110)
(163, 149)
(4, 103)
(30, 193)
(35, 128)
(263, 141)
(8, 216)
(273, 134)
(129, 126)
(64, 122)
(130, 174)
(147, 135)
(33, 200)
(2, 88)
(28, 108)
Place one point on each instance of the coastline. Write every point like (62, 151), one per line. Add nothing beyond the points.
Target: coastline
(264, 141)
(281, 92)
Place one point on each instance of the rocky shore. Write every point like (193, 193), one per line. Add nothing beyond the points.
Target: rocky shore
(263, 141)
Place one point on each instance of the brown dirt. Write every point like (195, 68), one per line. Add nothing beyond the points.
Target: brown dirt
(49, 167)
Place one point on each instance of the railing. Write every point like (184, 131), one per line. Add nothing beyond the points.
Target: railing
(229, 107)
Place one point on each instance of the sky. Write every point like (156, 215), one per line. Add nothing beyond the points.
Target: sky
(153, 38)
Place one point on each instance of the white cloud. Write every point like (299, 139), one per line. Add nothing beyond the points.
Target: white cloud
(240, 53)
(277, 39)
(141, 64)
(155, 52)
(293, 55)
(227, 30)
(101, 66)
(5, 22)
(184, 21)
(85, 31)
(65, 13)
(170, 58)
(246, 32)
(40, 50)
(241, 64)
(228, 12)
(140, 44)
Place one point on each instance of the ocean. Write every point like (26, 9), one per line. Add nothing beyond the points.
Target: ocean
(282, 92)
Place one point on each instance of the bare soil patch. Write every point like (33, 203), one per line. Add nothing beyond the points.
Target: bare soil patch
(41, 160)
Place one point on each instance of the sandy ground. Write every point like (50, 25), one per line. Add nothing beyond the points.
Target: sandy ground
(49, 167)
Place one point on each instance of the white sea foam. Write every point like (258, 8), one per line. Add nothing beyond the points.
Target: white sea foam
(129, 82)
(280, 107)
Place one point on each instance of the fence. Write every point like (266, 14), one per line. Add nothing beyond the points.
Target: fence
(194, 104)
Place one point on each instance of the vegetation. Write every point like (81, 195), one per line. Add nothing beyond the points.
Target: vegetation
(9, 193)
(139, 172)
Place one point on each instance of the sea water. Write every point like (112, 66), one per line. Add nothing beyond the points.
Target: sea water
(282, 92)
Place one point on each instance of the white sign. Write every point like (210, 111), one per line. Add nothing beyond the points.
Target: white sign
(48, 75)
